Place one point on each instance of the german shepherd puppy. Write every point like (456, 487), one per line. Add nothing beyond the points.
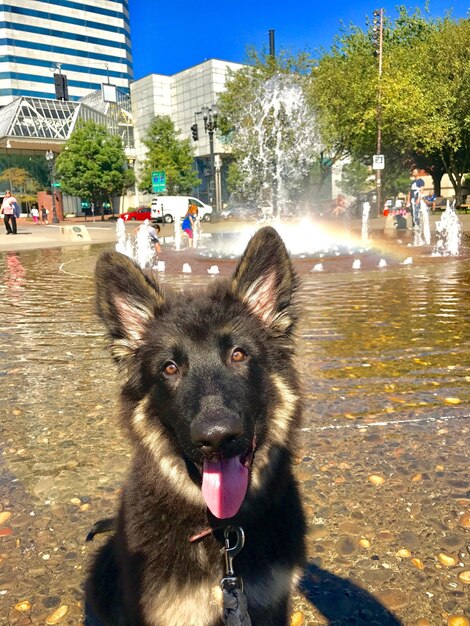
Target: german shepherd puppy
(211, 401)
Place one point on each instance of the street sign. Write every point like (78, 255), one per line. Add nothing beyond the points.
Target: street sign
(378, 162)
(158, 182)
(57, 184)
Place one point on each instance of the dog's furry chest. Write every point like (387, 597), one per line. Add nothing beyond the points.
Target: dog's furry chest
(192, 604)
(200, 603)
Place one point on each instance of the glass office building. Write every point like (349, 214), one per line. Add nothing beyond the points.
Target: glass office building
(89, 42)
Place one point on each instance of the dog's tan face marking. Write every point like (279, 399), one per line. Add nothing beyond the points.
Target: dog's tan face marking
(153, 437)
(281, 426)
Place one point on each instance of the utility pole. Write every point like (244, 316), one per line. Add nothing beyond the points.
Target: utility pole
(377, 28)
(272, 51)
(272, 56)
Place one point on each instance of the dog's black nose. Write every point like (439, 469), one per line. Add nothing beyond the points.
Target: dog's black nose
(215, 432)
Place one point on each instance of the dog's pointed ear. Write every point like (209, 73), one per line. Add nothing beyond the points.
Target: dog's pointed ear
(127, 299)
(266, 282)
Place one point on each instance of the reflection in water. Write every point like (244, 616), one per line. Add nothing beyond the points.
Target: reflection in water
(14, 276)
(384, 359)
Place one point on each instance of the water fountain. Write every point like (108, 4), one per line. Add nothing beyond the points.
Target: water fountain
(422, 230)
(138, 247)
(124, 243)
(144, 250)
(365, 221)
(177, 234)
(279, 143)
(449, 232)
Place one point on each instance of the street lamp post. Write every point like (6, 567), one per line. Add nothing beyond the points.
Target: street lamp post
(210, 116)
(50, 162)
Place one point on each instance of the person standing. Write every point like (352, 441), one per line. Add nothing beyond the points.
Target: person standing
(9, 209)
(414, 197)
(44, 215)
(188, 223)
(35, 214)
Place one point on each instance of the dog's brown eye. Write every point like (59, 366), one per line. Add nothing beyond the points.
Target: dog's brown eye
(170, 369)
(239, 355)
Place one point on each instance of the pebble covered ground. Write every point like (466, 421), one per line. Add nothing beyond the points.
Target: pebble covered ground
(382, 459)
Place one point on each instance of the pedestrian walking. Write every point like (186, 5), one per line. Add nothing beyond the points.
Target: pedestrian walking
(44, 215)
(35, 214)
(10, 209)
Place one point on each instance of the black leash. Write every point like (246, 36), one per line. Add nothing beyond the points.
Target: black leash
(235, 602)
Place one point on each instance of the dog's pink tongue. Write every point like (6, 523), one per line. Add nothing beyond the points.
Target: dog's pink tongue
(224, 485)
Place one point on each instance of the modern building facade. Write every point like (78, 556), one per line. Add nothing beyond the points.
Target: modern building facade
(87, 41)
(181, 97)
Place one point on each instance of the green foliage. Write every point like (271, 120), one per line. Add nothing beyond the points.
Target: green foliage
(342, 91)
(355, 179)
(165, 152)
(93, 164)
(422, 96)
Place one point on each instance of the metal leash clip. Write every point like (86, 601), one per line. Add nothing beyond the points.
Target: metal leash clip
(230, 582)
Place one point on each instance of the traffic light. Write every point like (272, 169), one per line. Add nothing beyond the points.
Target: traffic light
(195, 132)
(376, 31)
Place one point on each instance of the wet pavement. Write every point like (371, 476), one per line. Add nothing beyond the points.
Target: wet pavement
(383, 460)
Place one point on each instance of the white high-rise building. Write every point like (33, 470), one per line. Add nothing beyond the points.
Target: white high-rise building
(87, 41)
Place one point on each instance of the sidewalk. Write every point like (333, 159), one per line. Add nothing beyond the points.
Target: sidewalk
(31, 236)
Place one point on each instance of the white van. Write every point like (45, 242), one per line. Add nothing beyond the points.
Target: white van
(169, 208)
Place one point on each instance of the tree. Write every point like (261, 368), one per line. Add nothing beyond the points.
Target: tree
(19, 180)
(165, 152)
(355, 179)
(93, 164)
(21, 183)
(424, 109)
(35, 165)
(342, 91)
(447, 89)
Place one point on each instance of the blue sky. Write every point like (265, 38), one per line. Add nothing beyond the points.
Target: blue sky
(169, 38)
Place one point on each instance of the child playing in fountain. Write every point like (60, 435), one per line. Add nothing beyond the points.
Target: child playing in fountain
(153, 233)
(188, 222)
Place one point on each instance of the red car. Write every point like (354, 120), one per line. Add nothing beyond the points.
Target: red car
(140, 214)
